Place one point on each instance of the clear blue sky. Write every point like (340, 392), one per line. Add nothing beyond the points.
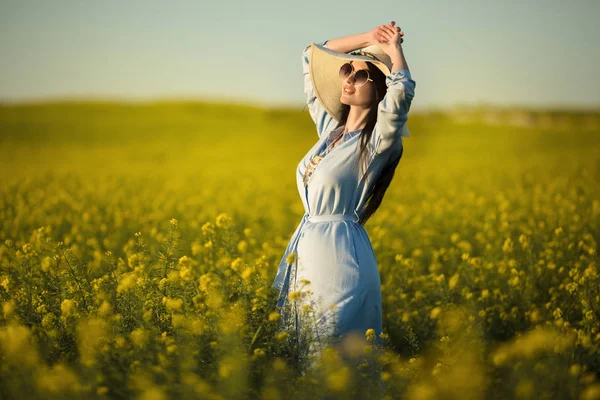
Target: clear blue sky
(532, 53)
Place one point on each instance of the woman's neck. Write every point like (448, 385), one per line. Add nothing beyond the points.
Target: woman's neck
(357, 119)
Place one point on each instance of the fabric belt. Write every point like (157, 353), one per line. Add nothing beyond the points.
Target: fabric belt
(332, 217)
(282, 279)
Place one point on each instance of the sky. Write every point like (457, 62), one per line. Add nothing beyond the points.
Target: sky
(532, 53)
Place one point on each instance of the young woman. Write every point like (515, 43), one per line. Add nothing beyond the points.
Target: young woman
(359, 103)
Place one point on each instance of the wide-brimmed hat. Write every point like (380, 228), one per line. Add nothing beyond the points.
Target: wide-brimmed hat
(325, 65)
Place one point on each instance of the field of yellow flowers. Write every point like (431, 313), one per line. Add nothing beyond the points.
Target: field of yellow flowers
(138, 245)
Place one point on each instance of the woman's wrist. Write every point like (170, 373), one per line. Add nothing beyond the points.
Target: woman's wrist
(397, 57)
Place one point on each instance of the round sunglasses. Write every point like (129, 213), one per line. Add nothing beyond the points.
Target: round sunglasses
(360, 77)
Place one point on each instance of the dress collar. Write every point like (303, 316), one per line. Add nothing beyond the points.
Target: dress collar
(347, 136)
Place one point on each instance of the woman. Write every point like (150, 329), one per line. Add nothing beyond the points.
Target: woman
(328, 278)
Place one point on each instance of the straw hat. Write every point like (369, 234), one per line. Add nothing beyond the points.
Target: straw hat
(325, 65)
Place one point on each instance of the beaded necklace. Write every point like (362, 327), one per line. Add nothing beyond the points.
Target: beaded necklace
(315, 160)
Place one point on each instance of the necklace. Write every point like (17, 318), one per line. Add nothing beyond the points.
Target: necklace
(310, 168)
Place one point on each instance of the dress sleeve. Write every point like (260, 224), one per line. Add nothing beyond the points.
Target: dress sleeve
(392, 112)
(323, 121)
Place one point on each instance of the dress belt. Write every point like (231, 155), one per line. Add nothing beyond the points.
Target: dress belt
(332, 217)
(282, 279)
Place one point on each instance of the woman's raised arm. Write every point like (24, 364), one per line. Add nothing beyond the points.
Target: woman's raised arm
(350, 43)
(323, 121)
(393, 109)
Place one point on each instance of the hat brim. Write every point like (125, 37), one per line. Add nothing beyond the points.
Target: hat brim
(324, 66)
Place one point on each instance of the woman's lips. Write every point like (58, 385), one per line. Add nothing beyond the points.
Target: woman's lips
(347, 90)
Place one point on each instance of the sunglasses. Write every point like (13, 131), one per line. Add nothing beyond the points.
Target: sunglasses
(360, 77)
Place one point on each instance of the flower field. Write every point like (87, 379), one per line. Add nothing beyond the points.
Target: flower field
(138, 245)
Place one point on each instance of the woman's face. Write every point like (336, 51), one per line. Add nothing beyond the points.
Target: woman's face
(357, 96)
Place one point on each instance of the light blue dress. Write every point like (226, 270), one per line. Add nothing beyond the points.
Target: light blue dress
(333, 251)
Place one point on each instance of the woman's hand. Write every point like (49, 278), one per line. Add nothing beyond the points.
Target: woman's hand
(375, 35)
(389, 37)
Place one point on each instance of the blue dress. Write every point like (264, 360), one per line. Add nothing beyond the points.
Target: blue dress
(333, 262)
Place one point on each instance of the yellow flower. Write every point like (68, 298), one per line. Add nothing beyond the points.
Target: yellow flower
(8, 308)
(242, 246)
(59, 379)
(247, 273)
(173, 304)
(47, 321)
(227, 367)
(66, 307)
(236, 264)
(136, 260)
(274, 316)
(507, 247)
(453, 281)
(370, 334)
(557, 313)
(16, 345)
(294, 295)
(91, 334)
(435, 312)
(534, 316)
(139, 337)
(499, 358)
(185, 261)
(524, 240)
(223, 220)
(153, 393)
(290, 258)
(186, 273)
(126, 282)
(208, 229)
(46, 264)
(337, 380)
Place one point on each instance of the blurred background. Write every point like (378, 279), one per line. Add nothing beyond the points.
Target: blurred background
(508, 53)
(139, 138)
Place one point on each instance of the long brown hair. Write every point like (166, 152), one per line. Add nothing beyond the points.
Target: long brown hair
(375, 196)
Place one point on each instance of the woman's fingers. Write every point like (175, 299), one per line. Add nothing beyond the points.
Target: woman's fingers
(384, 30)
(392, 25)
(387, 37)
(391, 32)
(380, 34)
